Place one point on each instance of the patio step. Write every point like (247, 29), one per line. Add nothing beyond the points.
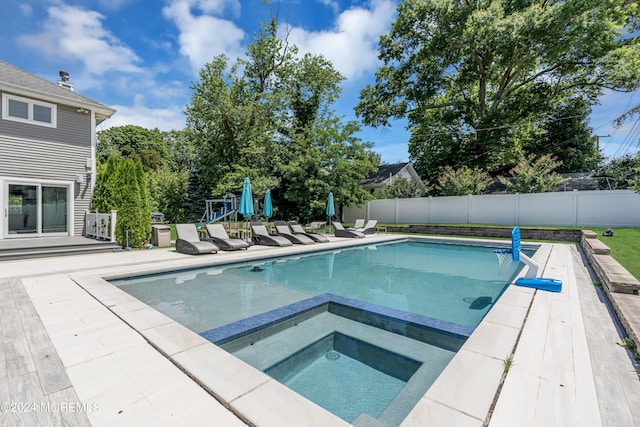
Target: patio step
(55, 249)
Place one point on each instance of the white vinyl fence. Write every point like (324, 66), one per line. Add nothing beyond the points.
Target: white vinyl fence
(610, 208)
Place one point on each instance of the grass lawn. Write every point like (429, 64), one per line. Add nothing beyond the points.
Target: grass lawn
(625, 247)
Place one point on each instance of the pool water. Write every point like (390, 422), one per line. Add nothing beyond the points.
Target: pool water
(345, 376)
(388, 323)
(456, 283)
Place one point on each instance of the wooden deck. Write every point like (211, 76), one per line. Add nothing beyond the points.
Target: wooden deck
(35, 247)
(34, 383)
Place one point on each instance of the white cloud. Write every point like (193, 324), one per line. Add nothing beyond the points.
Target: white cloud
(202, 36)
(26, 9)
(352, 45)
(164, 119)
(77, 34)
(334, 5)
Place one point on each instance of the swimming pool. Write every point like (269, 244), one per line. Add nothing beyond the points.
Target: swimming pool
(452, 284)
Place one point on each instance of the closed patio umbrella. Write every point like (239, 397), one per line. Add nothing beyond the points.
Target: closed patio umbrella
(267, 209)
(246, 200)
(331, 211)
(246, 205)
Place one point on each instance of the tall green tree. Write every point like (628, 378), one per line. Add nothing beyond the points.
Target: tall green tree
(477, 79)
(567, 137)
(121, 186)
(167, 159)
(133, 142)
(268, 117)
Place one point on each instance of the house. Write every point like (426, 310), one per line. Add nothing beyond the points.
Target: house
(47, 155)
(385, 175)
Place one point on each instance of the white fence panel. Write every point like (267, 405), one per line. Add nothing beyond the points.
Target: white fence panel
(381, 209)
(351, 213)
(547, 208)
(412, 211)
(493, 209)
(608, 208)
(619, 208)
(449, 210)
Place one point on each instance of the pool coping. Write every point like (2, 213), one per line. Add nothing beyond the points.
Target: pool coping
(256, 399)
(243, 327)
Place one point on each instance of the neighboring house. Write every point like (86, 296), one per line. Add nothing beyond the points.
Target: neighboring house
(47, 154)
(377, 181)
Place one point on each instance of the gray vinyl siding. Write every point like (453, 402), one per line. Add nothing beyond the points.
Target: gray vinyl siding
(72, 128)
(37, 159)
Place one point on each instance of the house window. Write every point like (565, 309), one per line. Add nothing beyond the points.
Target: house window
(28, 111)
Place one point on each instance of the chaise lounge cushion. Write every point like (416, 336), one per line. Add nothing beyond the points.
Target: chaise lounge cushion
(218, 235)
(261, 236)
(340, 231)
(188, 241)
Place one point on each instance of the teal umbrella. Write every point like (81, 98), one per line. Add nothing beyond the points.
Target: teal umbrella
(246, 200)
(267, 209)
(331, 211)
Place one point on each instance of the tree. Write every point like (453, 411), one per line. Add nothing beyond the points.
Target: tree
(463, 181)
(167, 158)
(623, 170)
(567, 137)
(268, 117)
(402, 188)
(133, 142)
(121, 186)
(477, 80)
(534, 175)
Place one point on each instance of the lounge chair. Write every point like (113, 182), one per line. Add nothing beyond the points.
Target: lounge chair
(370, 228)
(316, 237)
(340, 231)
(261, 236)
(188, 241)
(218, 235)
(299, 239)
(358, 225)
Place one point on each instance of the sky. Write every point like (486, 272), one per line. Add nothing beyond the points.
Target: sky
(142, 56)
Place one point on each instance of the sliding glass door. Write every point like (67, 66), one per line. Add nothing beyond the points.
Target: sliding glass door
(36, 209)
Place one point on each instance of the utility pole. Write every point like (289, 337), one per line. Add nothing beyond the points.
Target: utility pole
(597, 137)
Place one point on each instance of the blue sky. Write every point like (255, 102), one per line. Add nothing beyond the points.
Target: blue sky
(141, 56)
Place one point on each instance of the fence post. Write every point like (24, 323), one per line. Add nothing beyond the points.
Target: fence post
(517, 222)
(395, 210)
(575, 207)
(113, 225)
(469, 207)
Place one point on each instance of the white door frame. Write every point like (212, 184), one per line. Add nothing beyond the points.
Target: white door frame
(39, 183)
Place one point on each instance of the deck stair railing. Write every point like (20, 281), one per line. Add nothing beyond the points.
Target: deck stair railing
(101, 226)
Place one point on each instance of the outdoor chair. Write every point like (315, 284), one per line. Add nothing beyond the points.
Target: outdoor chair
(316, 237)
(188, 241)
(299, 239)
(358, 225)
(234, 229)
(218, 235)
(340, 231)
(261, 236)
(369, 228)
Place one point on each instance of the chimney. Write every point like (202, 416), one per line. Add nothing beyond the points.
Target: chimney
(64, 81)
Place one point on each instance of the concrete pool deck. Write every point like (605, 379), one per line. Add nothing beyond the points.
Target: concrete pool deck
(96, 356)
